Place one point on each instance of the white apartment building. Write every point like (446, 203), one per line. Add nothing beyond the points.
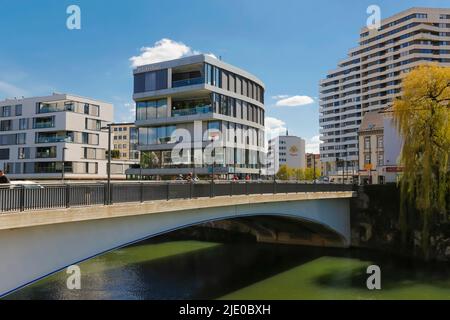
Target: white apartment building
(285, 150)
(37, 134)
(370, 78)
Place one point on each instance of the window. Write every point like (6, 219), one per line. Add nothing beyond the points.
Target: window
(46, 152)
(150, 81)
(93, 124)
(380, 159)
(92, 153)
(23, 124)
(146, 110)
(4, 154)
(367, 143)
(5, 125)
(21, 138)
(44, 122)
(23, 153)
(380, 142)
(6, 111)
(18, 110)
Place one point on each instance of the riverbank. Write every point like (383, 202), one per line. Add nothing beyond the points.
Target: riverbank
(375, 225)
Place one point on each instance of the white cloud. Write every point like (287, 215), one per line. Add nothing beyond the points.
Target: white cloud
(274, 127)
(294, 101)
(313, 145)
(280, 96)
(11, 91)
(163, 50)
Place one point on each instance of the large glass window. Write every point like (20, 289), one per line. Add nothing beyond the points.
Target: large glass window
(190, 107)
(23, 124)
(5, 125)
(23, 153)
(158, 135)
(4, 154)
(43, 122)
(6, 111)
(146, 110)
(18, 109)
(21, 138)
(46, 152)
(214, 130)
(150, 81)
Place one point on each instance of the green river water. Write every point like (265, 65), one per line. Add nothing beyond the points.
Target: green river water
(206, 270)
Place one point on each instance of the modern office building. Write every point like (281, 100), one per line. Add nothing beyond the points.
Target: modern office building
(125, 142)
(370, 78)
(285, 150)
(38, 134)
(198, 115)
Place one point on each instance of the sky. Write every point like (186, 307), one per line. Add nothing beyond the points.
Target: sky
(289, 44)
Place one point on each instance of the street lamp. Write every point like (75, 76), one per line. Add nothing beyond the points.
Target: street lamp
(108, 168)
(346, 159)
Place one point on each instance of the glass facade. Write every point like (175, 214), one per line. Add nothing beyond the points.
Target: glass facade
(227, 80)
(157, 135)
(191, 107)
(150, 81)
(153, 109)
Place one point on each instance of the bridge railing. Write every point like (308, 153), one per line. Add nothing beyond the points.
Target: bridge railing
(40, 197)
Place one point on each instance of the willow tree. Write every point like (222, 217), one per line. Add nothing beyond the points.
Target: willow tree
(422, 116)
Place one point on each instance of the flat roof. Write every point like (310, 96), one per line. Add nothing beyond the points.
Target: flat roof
(200, 58)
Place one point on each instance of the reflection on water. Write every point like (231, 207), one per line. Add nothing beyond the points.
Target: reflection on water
(203, 270)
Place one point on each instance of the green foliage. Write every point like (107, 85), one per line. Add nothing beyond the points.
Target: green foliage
(115, 154)
(422, 116)
(287, 173)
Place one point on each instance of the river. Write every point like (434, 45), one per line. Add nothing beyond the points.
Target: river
(164, 268)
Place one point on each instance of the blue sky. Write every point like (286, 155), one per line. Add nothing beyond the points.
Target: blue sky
(290, 45)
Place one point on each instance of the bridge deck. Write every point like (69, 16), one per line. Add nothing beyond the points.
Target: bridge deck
(94, 212)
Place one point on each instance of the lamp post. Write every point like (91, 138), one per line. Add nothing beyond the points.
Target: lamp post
(108, 168)
(63, 164)
(314, 167)
(346, 159)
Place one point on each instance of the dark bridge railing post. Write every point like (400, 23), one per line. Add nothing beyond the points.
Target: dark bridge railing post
(67, 194)
(22, 198)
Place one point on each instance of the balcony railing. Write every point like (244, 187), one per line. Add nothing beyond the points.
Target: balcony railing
(187, 82)
(44, 125)
(192, 111)
(54, 139)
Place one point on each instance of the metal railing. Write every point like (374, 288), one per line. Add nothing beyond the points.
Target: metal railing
(15, 198)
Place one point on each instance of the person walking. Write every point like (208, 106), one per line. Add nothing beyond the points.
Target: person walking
(3, 177)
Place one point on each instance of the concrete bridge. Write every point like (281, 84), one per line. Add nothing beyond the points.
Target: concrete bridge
(45, 230)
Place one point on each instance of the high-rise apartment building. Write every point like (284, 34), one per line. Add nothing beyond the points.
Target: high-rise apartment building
(285, 150)
(212, 111)
(370, 78)
(38, 134)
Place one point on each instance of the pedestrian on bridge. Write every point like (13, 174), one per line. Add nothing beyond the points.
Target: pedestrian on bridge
(3, 177)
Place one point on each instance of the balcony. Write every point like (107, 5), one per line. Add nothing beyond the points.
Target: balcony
(187, 82)
(192, 111)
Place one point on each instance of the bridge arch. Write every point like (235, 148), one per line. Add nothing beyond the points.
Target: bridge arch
(37, 251)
